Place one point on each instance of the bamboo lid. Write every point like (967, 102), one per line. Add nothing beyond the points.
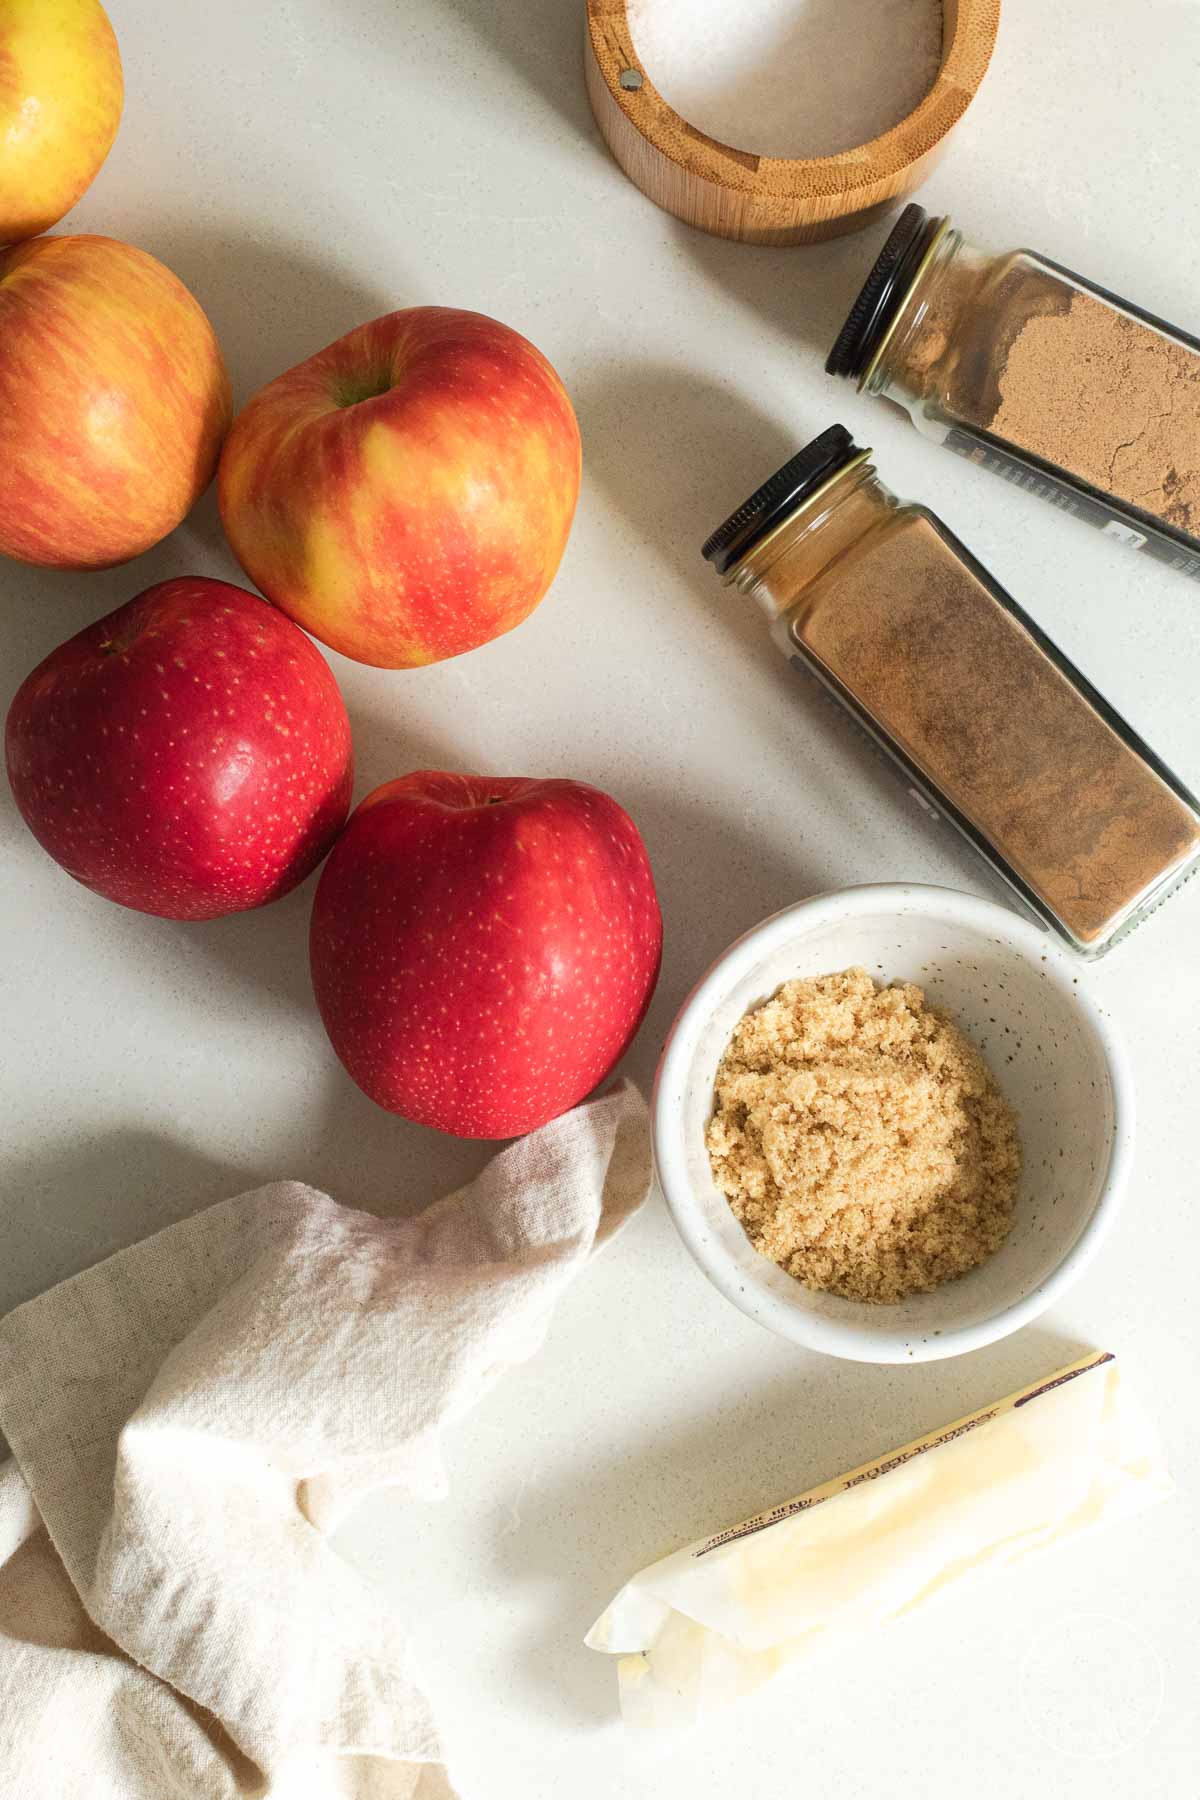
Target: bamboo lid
(772, 199)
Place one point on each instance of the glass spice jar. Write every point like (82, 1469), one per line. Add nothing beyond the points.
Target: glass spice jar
(989, 722)
(1039, 375)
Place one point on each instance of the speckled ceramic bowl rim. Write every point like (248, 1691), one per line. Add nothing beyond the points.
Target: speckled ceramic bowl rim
(795, 923)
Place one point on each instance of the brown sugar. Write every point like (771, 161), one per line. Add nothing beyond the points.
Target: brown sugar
(861, 1140)
(973, 699)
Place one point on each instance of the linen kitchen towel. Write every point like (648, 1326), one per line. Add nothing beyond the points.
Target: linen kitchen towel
(191, 1417)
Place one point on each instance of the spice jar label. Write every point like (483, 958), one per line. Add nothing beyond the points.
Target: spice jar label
(1125, 534)
(981, 448)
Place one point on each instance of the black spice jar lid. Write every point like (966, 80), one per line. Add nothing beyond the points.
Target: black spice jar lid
(799, 477)
(882, 293)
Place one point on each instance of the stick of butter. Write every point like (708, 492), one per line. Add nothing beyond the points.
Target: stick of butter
(719, 1618)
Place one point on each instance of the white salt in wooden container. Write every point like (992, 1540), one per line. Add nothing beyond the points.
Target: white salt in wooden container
(768, 199)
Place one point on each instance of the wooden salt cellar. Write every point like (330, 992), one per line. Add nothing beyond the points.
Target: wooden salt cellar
(772, 199)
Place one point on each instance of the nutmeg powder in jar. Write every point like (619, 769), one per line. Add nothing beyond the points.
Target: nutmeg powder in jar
(1055, 371)
(967, 692)
(1132, 431)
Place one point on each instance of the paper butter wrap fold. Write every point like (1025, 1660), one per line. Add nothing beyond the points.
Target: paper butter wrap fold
(189, 1418)
(719, 1618)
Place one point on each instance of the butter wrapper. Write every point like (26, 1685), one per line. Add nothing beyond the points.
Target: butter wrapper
(721, 1617)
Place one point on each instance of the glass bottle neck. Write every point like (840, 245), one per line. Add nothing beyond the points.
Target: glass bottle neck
(776, 571)
(926, 317)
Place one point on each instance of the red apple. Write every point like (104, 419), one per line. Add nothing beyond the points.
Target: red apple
(113, 401)
(406, 494)
(189, 755)
(484, 950)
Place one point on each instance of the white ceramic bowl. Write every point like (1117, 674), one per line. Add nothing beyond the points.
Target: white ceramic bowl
(1022, 1001)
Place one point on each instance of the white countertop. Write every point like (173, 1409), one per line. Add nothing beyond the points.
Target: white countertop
(306, 165)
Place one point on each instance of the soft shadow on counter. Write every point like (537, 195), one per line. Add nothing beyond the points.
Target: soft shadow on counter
(75, 1204)
(386, 742)
(633, 1501)
(271, 303)
(676, 452)
(366, 1157)
(802, 291)
(543, 41)
(702, 916)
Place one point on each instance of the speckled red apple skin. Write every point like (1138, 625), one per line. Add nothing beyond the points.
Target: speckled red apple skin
(189, 755)
(484, 950)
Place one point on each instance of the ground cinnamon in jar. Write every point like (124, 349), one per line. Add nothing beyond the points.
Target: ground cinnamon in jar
(965, 690)
(1011, 359)
(1039, 375)
(988, 720)
(1134, 432)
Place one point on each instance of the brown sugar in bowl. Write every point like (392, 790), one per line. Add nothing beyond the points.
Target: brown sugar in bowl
(775, 199)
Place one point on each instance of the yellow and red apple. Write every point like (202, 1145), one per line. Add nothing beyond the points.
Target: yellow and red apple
(407, 493)
(114, 401)
(60, 104)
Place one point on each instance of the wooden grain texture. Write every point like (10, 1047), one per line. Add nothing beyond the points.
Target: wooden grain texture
(772, 199)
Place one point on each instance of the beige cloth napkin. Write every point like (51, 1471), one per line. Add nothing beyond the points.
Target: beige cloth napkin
(190, 1418)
